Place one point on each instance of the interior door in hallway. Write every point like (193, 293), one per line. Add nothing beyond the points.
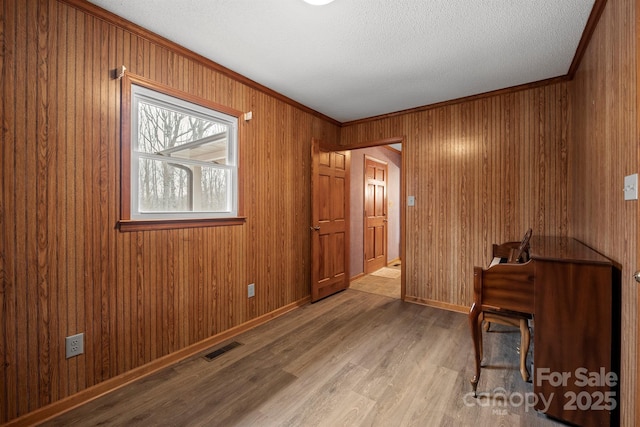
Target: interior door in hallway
(375, 214)
(330, 224)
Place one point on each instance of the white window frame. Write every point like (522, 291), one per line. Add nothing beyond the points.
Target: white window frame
(137, 89)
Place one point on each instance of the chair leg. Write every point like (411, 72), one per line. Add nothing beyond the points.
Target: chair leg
(525, 337)
(476, 337)
(487, 326)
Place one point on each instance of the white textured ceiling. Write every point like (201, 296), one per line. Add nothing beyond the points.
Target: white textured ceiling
(354, 59)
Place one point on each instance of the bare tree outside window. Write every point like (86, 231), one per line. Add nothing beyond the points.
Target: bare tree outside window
(182, 159)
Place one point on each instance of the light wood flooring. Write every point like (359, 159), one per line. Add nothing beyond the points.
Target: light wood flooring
(352, 359)
(385, 281)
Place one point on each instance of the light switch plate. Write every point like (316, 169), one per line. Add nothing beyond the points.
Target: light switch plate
(411, 200)
(631, 187)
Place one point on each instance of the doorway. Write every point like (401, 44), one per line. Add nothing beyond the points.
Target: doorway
(375, 220)
(355, 271)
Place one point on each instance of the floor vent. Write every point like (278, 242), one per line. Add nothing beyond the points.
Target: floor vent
(222, 350)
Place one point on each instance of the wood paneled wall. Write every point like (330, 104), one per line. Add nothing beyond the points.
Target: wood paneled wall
(481, 172)
(66, 269)
(603, 149)
(552, 158)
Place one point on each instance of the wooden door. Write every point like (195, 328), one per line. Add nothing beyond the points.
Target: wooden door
(375, 214)
(330, 221)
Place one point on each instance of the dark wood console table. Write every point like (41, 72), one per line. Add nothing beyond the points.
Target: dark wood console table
(568, 289)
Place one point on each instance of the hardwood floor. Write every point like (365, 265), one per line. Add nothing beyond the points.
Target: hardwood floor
(353, 359)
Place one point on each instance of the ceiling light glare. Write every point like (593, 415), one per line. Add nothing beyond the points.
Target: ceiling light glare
(318, 2)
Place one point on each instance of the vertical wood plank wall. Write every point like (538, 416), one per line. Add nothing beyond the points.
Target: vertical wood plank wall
(481, 172)
(552, 158)
(66, 269)
(603, 150)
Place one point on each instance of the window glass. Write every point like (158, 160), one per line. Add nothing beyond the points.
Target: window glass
(183, 158)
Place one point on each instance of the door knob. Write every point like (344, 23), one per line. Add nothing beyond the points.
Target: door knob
(315, 228)
(637, 276)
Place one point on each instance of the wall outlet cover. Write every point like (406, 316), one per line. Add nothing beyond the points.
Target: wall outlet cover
(74, 345)
(631, 187)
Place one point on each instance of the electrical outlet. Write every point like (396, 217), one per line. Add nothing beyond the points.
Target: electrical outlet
(74, 345)
(251, 290)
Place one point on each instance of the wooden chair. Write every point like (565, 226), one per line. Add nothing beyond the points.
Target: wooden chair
(511, 252)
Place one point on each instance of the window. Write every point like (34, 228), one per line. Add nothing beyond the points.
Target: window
(180, 157)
